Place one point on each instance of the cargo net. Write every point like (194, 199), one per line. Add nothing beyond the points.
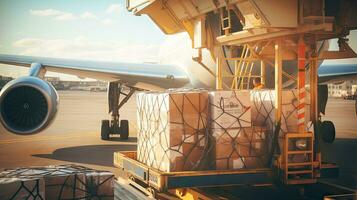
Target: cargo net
(241, 148)
(263, 110)
(197, 130)
(243, 126)
(57, 182)
(13, 189)
(173, 133)
(238, 144)
(263, 114)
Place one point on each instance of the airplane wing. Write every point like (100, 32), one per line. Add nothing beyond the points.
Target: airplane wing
(337, 73)
(143, 76)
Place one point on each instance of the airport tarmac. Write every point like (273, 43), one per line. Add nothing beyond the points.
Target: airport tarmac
(74, 137)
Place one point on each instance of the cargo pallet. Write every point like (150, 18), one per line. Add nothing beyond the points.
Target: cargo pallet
(161, 185)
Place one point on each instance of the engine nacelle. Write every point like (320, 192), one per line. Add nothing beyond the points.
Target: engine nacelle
(27, 105)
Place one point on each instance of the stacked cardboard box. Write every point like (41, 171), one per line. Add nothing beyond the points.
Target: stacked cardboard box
(263, 109)
(62, 182)
(237, 144)
(230, 109)
(197, 130)
(263, 113)
(173, 134)
(99, 185)
(241, 148)
(22, 188)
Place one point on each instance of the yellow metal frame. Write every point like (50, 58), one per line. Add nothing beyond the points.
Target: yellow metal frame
(243, 66)
(161, 183)
(242, 74)
(296, 169)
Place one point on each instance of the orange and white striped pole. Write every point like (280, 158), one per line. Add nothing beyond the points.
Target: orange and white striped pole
(301, 85)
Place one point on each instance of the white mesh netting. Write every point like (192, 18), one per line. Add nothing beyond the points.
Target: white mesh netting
(198, 130)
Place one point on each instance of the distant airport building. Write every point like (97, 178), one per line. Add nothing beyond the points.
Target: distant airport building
(344, 89)
(77, 85)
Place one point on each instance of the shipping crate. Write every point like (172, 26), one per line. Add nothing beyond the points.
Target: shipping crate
(173, 134)
(99, 185)
(230, 109)
(263, 113)
(241, 148)
(263, 109)
(67, 181)
(59, 182)
(22, 188)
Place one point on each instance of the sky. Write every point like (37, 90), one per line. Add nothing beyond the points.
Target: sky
(80, 29)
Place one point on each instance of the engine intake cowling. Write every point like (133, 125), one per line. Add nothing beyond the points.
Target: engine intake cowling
(27, 105)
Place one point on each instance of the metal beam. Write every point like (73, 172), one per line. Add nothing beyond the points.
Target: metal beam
(262, 34)
(262, 72)
(278, 80)
(301, 85)
(313, 86)
(218, 73)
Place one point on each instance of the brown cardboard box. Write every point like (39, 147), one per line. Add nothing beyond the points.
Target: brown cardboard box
(263, 109)
(241, 148)
(65, 186)
(99, 185)
(21, 188)
(173, 134)
(60, 183)
(65, 181)
(263, 112)
(230, 109)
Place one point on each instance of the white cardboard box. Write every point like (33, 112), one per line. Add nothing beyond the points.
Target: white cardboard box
(263, 109)
(22, 188)
(172, 129)
(230, 109)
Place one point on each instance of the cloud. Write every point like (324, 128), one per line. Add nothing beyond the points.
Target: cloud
(46, 12)
(62, 15)
(27, 42)
(66, 16)
(114, 8)
(108, 21)
(82, 48)
(88, 15)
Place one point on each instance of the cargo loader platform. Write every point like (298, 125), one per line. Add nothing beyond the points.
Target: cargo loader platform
(153, 182)
(162, 181)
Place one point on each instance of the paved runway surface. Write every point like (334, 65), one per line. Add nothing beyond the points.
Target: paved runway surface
(74, 137)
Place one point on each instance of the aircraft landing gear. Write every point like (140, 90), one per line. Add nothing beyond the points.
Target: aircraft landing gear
(116, 126)
(327, 131)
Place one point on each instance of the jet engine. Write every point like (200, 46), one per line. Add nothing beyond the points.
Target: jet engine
(27, 105)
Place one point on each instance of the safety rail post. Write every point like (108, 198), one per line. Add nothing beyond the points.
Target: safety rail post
(301, 85)
(278, 80)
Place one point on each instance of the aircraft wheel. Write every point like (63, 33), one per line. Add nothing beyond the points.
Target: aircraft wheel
(328, 131)
(105, 130)
(124, 129)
